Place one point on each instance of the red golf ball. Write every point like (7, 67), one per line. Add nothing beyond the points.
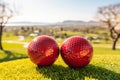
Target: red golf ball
(76, 51)
(43, 50)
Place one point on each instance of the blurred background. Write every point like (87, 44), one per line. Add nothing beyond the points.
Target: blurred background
(97, 21)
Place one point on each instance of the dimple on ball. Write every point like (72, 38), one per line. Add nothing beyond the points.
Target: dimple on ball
(76, 52)
(43, 50)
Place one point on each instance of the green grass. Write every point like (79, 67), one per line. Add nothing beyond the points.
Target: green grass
(105, 49)
(9, 36)
(100, 68)
(70, 33)
(12, 52)
(15, 64)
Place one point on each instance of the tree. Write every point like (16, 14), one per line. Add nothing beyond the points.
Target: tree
(5, 14)
(110, 15)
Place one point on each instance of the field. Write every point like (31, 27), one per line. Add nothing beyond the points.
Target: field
(16, 65)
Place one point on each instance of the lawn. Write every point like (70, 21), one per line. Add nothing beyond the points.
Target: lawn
(12, 51)
(15, 65)
(101, 68)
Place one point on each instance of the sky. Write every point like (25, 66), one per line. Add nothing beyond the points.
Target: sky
(57, 10)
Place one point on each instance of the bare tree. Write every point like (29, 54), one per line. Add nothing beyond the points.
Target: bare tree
(110, 15)
(5, 14)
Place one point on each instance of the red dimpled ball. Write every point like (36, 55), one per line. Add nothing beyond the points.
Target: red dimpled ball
(43, 50)
(76, 51)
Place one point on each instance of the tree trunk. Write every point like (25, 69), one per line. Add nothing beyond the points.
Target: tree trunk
(114, 43)
(1, 30)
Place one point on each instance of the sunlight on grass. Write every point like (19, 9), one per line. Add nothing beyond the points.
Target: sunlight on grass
(15, 47)
(15, 65)
(101, 68)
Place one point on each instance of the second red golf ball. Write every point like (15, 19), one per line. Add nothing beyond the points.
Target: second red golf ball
(76, 51)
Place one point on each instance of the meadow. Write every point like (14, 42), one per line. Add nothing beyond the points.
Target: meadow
(16, 65)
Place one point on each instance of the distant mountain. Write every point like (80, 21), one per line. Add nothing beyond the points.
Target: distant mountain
(72, 21)
(80, 23)
(64, 23)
